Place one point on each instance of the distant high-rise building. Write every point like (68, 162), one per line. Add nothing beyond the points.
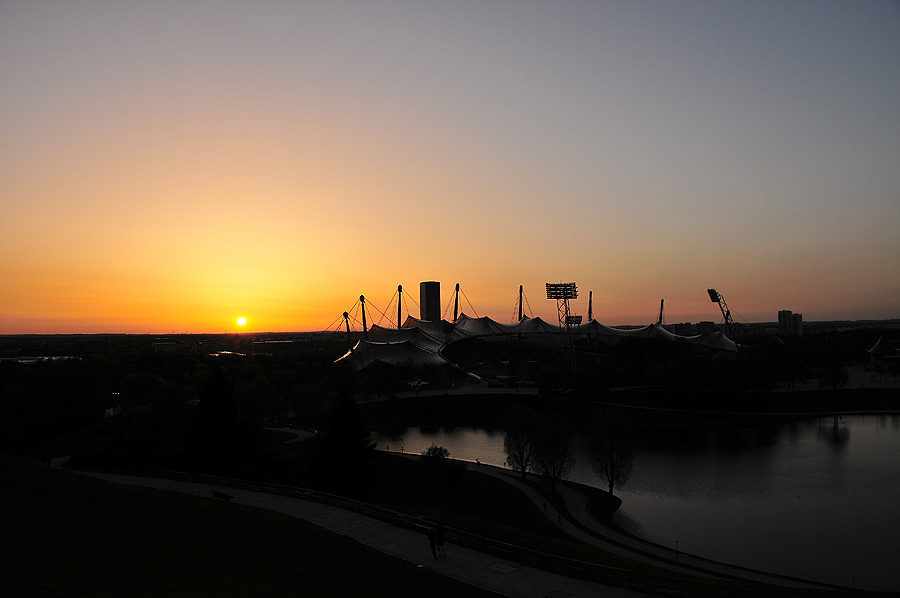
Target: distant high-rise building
(430, 301)
(684, 328)
(784, 321)
(790, 323)
(706, 327)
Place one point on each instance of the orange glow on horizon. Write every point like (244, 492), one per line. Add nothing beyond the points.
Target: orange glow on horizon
(71, 299)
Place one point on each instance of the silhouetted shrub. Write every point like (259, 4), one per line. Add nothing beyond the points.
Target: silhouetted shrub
(434, 454)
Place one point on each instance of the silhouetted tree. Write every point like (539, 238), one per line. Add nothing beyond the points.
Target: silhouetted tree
(549, 377)
(217, 439)
(832, 361)
(520, 426)
(611, 448)
(381, 379)
(342, 377)
(142, 389)
(554, 450)
(346, 453)
(434, 454)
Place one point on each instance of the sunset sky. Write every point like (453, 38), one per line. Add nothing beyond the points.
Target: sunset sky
(172, 166)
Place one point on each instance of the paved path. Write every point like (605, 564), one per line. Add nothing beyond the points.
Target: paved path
(600, 536)
(472, 567)
(300, 434)
(476, 568)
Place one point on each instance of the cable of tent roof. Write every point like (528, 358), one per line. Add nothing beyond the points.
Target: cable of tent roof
(335, 323)
(469, 302)
(447, 309)
(339, 320)
(370, 304)
(388, 310)
(528, 304)
(515, 316)
(405, 295)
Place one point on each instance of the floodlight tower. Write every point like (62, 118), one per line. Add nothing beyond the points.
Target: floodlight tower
(715, 297)
(562, 292)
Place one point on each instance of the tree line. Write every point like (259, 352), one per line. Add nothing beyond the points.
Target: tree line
(544, 444)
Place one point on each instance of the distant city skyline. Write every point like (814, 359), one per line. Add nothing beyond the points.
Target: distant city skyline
(174, 167)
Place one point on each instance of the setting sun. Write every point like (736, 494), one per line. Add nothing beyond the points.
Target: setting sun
(241, 321)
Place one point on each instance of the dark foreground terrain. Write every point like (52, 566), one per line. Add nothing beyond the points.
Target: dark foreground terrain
(65, 534)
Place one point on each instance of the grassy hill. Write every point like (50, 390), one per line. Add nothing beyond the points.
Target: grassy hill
(65, 534)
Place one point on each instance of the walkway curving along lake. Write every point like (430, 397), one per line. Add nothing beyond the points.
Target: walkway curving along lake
(814, 499)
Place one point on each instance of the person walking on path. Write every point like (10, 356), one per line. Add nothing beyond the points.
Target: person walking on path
(432, 541)
(439, 536)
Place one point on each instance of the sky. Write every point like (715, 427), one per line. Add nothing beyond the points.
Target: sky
(172, 166)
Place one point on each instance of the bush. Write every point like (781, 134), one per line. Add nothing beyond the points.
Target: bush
(434, 455)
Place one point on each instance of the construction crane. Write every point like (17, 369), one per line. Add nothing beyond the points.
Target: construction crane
(715, 297)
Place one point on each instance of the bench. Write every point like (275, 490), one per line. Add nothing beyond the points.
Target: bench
(222, 495)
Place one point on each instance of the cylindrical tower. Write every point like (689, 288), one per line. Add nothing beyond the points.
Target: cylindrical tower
(430, 301)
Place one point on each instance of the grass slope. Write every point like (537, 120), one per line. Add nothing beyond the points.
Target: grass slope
(486, 506)
(69, 535)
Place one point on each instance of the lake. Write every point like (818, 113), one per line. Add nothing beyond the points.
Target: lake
(816, 499)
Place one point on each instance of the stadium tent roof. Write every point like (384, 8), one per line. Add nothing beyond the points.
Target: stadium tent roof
(883, 350)
(612, 335)
(879, 348)
(484, 326)
(713, 340)
(441, 330)
(420, 342)
(398, 353)
(418, 337)
(536, 325)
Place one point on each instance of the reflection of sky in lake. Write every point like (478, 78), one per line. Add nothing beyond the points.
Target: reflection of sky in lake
(809, 499)
(468, 444)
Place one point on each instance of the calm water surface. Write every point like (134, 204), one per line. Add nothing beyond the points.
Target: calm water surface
(818, 499)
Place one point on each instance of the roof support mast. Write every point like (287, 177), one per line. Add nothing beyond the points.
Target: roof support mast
(521, 292)
(347, 322)
(590, 311)
(362, 301)
(399, 304)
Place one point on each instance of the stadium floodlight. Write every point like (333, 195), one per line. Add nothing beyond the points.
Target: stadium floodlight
(562, 290)
(715, 297)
